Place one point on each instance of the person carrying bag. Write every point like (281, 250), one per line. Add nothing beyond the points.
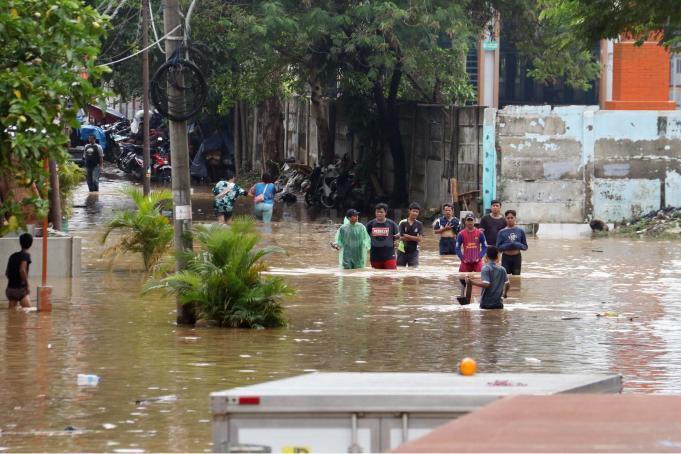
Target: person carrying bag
(263, 198)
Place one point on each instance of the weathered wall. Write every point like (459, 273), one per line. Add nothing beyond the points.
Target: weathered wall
(570, 164)
(440, 142)
(63, 256)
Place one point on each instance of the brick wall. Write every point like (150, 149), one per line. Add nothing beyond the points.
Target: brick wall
(640, 77)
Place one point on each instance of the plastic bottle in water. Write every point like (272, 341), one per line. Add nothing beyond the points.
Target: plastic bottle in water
(88, 380)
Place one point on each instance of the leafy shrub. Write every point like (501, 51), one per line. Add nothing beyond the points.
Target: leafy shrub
(224, 278)
(70, 176)
(143, 230)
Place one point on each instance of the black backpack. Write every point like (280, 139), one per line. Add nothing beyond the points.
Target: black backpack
(91, 156)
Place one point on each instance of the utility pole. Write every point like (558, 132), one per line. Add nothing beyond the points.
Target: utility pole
(145, 88)
(179, 153)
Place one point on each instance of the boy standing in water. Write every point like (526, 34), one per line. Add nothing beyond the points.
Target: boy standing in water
(510, 242)
(17, 274)
(383, 232)
(447, 227)
(493, 280)
(411, 233)
(492, 223)
(353, 242)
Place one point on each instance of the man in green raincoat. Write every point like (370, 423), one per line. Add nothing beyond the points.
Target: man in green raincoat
(353, 242)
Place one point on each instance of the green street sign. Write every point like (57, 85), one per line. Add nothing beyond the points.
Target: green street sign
(490, 45)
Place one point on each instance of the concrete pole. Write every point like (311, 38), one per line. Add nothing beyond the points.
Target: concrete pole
(179, 153)
(145, 89)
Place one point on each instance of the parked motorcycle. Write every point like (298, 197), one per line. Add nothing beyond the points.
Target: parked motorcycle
(130, 160)
(321, 188)
(336, 185)
(291, 178)
(160, 166)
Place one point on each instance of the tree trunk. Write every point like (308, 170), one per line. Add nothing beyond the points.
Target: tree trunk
(389, 121)
(243, 125)
(236, 135)
(273, 136)
(392, 128)
(325, 152)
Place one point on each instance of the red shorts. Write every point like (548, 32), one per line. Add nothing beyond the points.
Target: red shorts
(384, 264)
(470, 267)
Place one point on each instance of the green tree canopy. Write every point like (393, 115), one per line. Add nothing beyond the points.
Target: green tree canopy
(47, 73)
(591, 20)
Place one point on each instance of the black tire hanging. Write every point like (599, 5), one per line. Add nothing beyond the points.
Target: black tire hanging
(182, 75)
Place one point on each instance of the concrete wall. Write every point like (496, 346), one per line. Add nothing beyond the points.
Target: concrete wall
(571, 164)
(63, 256)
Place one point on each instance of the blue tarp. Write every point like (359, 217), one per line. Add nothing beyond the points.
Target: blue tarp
(87, 130)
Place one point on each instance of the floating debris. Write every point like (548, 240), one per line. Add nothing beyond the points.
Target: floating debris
(87, 380)
(607, 314)
(168, 398)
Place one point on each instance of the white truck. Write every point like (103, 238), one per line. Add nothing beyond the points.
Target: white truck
(368, 412)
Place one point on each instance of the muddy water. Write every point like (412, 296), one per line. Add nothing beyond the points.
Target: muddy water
(339, 321)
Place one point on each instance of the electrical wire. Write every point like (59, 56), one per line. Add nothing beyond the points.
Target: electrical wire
(153, 27)
(111, 63)
(187, 25)
(120, 5)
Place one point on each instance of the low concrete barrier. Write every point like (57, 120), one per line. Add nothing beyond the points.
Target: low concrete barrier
(565, 230)
(63, 255)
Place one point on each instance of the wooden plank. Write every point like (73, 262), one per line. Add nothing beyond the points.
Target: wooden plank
(454, 189)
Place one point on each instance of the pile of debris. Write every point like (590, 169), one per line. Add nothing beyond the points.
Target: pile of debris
(665, 224)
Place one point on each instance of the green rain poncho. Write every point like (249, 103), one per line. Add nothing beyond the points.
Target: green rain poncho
(354, 243)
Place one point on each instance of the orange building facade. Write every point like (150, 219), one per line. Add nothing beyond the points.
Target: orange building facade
(640, 77)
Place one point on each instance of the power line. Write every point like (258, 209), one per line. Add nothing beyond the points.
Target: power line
(111, 63)
(153, 27)
(120, 5)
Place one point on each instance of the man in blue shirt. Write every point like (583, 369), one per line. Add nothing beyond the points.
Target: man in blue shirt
(493, 280)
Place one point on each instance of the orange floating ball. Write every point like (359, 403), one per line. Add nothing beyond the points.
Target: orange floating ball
(467, 366)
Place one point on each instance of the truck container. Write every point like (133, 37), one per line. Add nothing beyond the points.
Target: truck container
(368, 412)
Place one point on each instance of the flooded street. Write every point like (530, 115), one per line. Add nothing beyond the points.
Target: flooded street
(338, 321)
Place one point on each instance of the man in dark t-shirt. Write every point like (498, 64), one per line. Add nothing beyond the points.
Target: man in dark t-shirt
(383, 232)
(490, 224)
(411, 233)
(17, 291)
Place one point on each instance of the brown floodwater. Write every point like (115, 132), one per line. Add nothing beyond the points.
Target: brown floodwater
(339, 321)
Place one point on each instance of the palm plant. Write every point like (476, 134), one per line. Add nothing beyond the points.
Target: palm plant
(224, 279)
(144, 230)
